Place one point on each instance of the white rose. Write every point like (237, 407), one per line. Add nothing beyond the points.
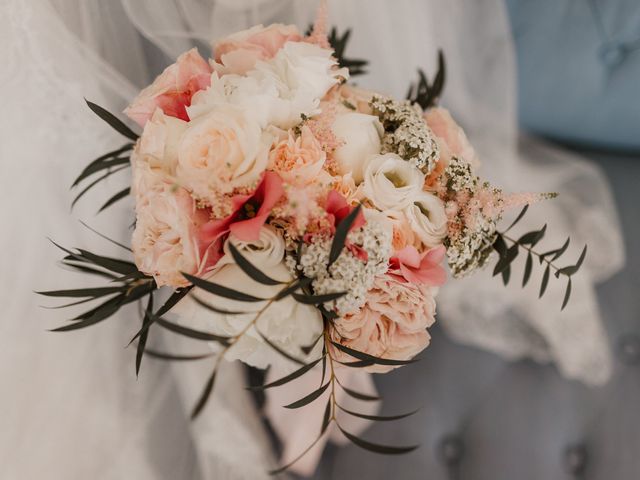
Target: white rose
(302, 73)
(222, 150)
(286, 323)
(390, 182)
(258, 96)
(427, 218)
(360, 135)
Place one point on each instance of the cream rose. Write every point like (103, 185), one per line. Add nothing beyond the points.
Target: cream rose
(165, 240)
(427, 218)
(392, 324)
(286, 323)
(221, 151)
(390, 182)
(360, 136)
(155, 156)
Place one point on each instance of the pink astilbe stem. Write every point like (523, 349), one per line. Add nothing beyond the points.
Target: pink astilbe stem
(320, 31)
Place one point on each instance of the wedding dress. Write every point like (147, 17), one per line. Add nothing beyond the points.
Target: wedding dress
(71, 405)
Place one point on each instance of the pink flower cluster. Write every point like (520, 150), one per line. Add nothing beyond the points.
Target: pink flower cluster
(267, 134)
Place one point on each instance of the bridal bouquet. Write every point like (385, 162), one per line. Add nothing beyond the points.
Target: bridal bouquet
(298, 221)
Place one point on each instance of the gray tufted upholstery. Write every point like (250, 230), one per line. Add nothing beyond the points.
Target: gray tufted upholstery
(486, 419)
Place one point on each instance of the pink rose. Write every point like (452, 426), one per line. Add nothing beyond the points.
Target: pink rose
(392, 324)
(238, 53)
(445, 127)
(173, 89)
(298, 161)
(166, 239)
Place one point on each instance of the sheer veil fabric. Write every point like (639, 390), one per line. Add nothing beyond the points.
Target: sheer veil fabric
(72, 406)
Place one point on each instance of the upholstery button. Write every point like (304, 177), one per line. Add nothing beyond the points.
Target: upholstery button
(629, 349)
(575, 459)
(451, 450)
(612, 54)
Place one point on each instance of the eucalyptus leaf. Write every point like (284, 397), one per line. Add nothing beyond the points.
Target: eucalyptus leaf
(340, 237)
(326, 418)
(142, 342)
(317, 299)
(222, 291)
(105, 237)
(567, 295)
(248, 268)
(191, 333)
(82, 292)
(206, 393)
(307, 399)
(545, 281)
(95, 182)
(288, 378)
(174, 357)
(90, 169)
(118, 196)
(298, 284)
(374, 447)
(370, 358)
(112, 120)
(359, 395)
(378, 418)
(518, 218)
(98, 315)
(528, 267)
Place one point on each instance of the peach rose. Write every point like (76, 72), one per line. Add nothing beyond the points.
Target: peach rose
(298, 161)
(392, 324)
(221, 151)
(238, 53)
(173, 89)
(166, 239)
(155, 156)
(444, 126)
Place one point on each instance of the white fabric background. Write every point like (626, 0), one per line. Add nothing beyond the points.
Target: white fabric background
(71, 405)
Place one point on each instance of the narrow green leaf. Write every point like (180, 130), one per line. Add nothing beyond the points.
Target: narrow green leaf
(113, 264)
(561, 250)
(298, 284)
(211, 308)
(105, 237)
(356, 364)
(545, 281)
(177, 358)
(374, 447)
(506, 260)
(574, 268)
(370, 358)
(103, 165)
(278, 349)
(90, 169)
(99, 315)
(567, 294)
(307, 399)
(82, 292)
(95, 182)
(528, 266)
(317, 299)
(89, 270)
(221, 291)
(206, 393)
(287, 378)
(118, 196)
(247, 267)
(288, 465)
(191, 333)
(377, 418)
(359, 395)
(326, 418)
(518, 218)
(112, 120)
(531, 238)
(506, 275)
(142, 342)
(173, 300)
(340, 237)
(500, 246)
